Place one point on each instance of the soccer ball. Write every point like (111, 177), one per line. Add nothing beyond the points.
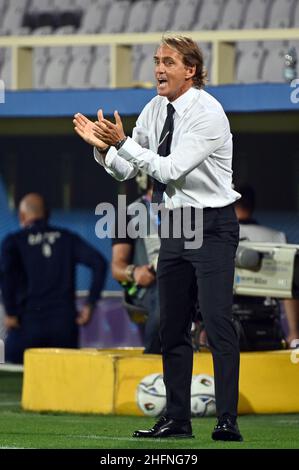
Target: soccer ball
(203, 396)
(151, 395)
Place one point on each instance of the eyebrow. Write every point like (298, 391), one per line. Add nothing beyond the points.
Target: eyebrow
(165, 57)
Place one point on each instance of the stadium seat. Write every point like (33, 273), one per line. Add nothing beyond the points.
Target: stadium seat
(22, 31)
(3, 5)
(41, 58)
(107, 16)
(94, 18)
(207, 56)
(233, 14)
(248, 66)
(5, 68)
(79, 51)
(55, 74)
(77, 72)
(245, 46)
(116, 17)
(162, 16)
(138, 20)
(271, 45)
(210, 14)
(256, 14)
(295, 22)
(15, 3)
(40, 63)
(79, 5)
(98, 76)
(273, 64)
(296, 45)
(61, 51)
(139, 53)
(145, 72)
(101, 51)
(137, 57)
(280, 14)
(185, 14)
(13, 17)
(65, 5)
(69, 29)
(2, 56)
(41, 6)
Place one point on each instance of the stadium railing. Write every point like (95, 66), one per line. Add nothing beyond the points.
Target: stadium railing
(223, 51)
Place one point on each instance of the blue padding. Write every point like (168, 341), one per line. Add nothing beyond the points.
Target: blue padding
(64, 103)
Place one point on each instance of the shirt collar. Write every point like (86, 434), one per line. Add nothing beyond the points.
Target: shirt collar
(183, 101)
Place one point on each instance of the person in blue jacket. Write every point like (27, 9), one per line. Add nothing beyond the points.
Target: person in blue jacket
(38, 282)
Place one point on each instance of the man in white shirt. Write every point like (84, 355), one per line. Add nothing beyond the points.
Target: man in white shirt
(182, 139)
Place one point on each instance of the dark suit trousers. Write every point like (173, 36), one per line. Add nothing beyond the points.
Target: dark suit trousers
(211, 268)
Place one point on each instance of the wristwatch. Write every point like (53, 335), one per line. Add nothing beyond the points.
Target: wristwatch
(120, 143)
(129, 272)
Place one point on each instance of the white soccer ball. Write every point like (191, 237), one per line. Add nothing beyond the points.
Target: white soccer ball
(151, 395)
(203, 401)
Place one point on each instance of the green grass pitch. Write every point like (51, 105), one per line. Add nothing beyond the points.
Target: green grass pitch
(20, 429)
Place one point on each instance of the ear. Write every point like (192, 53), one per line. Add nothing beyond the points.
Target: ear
(190, 71)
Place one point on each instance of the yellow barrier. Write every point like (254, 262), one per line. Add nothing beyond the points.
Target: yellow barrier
(68, 380)
(105, 381)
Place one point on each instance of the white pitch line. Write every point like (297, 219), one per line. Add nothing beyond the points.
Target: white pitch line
(12, 447)
(100, 438)
(11, 368)
(9, 403)
(113, 438)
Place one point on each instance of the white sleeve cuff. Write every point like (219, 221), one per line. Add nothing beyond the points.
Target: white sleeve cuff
(107, 161)
(116, 166)
(130, 150)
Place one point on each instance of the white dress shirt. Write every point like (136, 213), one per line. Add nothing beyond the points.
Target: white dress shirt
(198, 171)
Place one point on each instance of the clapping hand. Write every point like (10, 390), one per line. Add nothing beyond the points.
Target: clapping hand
(88, 130)
(108, 132)
(102, 133)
